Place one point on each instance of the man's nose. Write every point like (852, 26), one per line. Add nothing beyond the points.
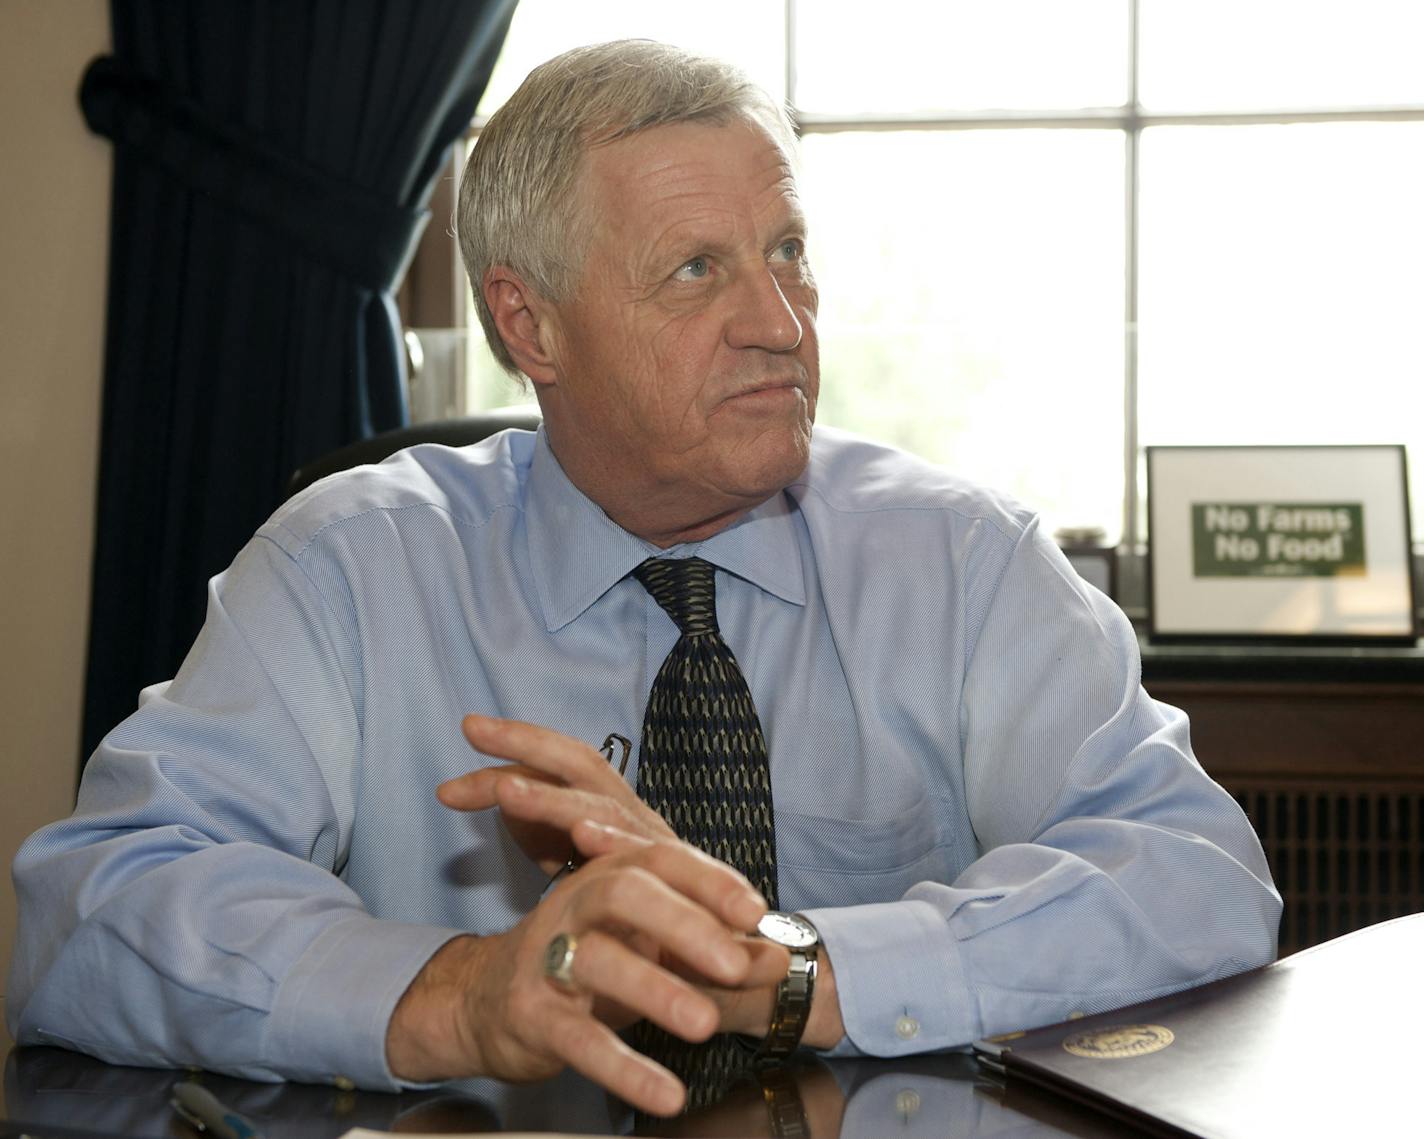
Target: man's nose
(763, 317)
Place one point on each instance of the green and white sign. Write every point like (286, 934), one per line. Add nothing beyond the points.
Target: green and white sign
(1270, 542)
(1271, 539)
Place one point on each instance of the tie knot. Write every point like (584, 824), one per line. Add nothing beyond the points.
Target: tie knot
(686, 588)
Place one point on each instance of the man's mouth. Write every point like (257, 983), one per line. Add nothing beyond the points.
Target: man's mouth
(770, 390)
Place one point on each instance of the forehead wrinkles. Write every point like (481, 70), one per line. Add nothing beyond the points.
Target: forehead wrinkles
(659, 194)
(685, 225)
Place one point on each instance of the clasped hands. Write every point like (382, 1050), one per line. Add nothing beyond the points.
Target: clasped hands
(661, 929)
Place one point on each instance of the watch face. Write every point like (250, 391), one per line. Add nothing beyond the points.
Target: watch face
(789, 930)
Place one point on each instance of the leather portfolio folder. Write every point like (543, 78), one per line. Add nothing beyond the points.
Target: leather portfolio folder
(1326, 1042)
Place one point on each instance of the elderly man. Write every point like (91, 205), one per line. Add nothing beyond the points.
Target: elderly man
(869, 689)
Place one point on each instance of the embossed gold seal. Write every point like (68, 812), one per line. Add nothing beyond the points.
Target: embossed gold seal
(1119, 1042)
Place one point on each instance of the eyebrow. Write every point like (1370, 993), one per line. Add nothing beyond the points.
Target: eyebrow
(796, 223)
(687, 242)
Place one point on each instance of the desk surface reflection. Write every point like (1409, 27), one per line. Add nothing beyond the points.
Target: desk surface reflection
(51, 1091)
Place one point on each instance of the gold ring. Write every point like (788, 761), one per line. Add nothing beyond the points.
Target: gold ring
(559, 959)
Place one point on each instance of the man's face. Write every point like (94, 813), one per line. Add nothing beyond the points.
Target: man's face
(686, 363)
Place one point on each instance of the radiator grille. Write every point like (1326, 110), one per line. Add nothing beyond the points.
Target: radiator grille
(1342, 858)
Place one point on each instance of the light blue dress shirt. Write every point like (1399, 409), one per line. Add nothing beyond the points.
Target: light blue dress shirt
(991, 823)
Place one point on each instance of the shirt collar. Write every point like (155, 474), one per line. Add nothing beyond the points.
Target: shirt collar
(577, 553)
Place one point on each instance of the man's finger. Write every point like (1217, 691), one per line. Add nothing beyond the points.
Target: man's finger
(714, 885)
(606, 967)
(769, 965)
(543, 749)
(595, 1051)
(562, 808)
(475, 790)
(594, 838)
(633, 899)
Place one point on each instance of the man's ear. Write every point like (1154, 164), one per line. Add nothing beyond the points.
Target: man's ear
(525, 322)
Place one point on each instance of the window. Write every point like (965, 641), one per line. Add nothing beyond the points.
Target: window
(1050, 232)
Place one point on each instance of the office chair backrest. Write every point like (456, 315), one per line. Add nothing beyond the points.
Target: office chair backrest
(451, 432)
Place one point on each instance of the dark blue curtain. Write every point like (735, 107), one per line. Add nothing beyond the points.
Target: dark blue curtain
(272, 161)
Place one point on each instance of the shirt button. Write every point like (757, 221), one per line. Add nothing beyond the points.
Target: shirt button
(907, 1103)
(907, 1028)
(343, 1083)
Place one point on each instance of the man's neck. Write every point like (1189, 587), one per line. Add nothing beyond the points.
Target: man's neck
(664, 519)
(667, 538)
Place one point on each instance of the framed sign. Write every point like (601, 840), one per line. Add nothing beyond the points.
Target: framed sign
(1280, 543)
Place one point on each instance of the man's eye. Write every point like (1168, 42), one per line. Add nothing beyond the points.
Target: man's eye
(694, 270)
(790, 250)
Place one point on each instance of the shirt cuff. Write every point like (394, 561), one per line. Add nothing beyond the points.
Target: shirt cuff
(328, 1022)
(899, 978)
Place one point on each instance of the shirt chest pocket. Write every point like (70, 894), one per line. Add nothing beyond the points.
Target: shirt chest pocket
(844, 862)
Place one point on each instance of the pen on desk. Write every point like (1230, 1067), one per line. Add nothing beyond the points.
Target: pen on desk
(205, 1112)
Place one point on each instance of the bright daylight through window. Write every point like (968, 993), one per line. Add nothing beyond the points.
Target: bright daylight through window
(1050, 232)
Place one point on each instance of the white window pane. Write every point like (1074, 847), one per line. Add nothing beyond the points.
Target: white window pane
(971, 305)
(1258, 54)
(908, 55)
(1281, 285)
(749, 33)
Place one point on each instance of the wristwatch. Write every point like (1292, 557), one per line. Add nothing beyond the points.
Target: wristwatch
(793, 995)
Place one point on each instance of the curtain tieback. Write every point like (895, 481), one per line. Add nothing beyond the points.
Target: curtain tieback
(348, 228)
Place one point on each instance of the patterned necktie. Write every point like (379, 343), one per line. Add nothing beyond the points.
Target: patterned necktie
(703, 766)
(703, 763)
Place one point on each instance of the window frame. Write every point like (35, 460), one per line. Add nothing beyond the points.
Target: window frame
(433, 293)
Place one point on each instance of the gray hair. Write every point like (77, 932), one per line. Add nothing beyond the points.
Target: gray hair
(519, 204)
